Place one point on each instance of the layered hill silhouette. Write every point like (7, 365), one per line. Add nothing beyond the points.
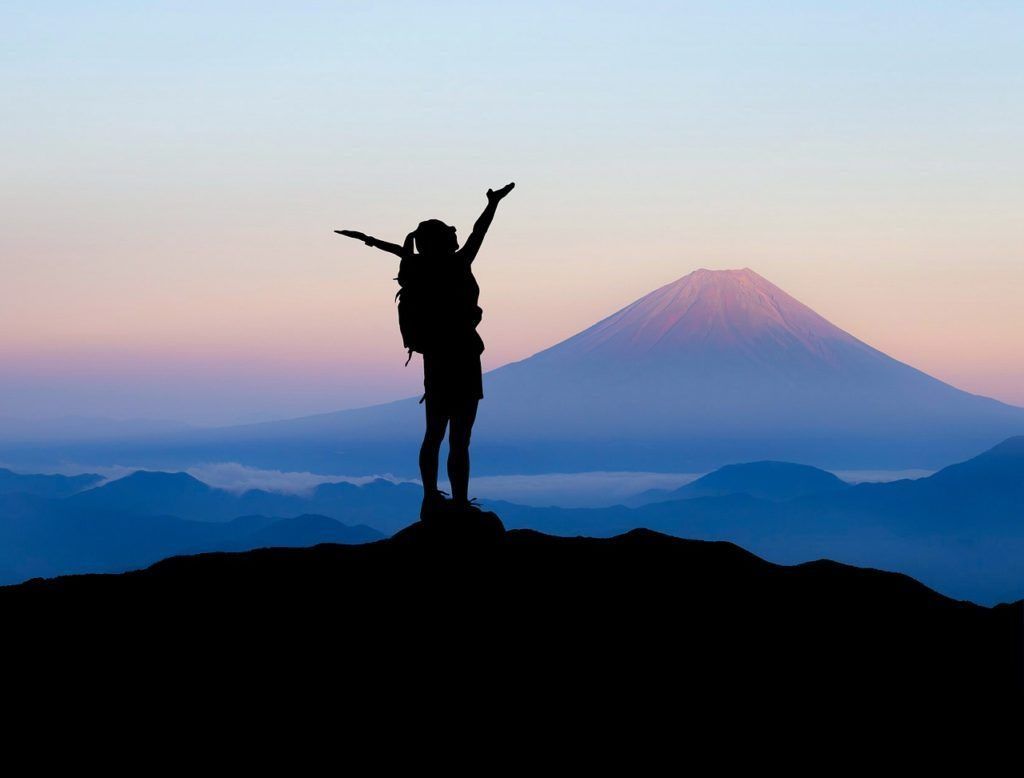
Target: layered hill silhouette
(146, 516)
(148, 493)
(767, 480)
(46, 485)
(960, 530)
(641, 616)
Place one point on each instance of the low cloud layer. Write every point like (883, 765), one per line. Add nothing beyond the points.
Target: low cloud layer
(571, 490)
(235, 477)
(574, 490)
(238, 478)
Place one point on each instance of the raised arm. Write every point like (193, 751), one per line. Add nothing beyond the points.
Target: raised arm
(476, 238)
(383, 245)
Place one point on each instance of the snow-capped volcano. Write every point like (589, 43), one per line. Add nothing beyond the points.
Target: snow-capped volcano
(725, 361)
(710, 310)
(718, 367)
(713, 335)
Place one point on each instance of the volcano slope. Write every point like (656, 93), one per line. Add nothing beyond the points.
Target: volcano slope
(717, 367)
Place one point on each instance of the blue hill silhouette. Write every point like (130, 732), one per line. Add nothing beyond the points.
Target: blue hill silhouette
(147, 516)
(45, 485)
(298, 531)
(958, 530)
(148, 493)
(180, 494)
(767, 480)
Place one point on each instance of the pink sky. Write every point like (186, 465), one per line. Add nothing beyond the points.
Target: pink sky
(246, 348)
(172, 178)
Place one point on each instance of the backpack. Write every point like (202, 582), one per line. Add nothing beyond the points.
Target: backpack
(412, 299)
(417, 317)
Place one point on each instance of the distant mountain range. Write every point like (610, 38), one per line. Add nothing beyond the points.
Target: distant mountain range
(144, 517)
(960, 530)
(146, 493)
(46, 485)
(629, 624)
(716, 367)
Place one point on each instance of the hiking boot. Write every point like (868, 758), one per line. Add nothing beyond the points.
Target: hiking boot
(465, 506)
(434, 505)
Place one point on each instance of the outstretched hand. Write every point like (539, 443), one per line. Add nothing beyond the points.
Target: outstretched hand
(495, 196)
(353, 234)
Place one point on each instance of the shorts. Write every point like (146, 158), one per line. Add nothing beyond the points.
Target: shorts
(452, 378)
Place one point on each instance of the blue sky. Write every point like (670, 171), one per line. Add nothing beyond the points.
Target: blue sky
(173, 172)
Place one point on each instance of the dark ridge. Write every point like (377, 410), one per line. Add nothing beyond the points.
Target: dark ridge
(638, 616)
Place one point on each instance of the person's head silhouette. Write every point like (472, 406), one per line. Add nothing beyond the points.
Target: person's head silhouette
(435, 238)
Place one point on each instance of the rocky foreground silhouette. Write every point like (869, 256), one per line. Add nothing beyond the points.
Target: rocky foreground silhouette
(461, 603)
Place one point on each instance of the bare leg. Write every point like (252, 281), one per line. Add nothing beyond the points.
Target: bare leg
(431, 449)
(458, 450)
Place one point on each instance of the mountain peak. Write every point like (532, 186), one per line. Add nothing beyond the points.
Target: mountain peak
(713, 312)
(766, 479)
(704, 273)
(149, 484)
(158, 478)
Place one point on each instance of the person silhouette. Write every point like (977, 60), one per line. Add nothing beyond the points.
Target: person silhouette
(452, 375)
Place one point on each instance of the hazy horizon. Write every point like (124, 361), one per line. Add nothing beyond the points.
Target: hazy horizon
(569, 490)
(173, 174)
(71, 424)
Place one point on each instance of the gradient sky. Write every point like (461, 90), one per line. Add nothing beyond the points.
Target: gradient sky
(172, 173)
